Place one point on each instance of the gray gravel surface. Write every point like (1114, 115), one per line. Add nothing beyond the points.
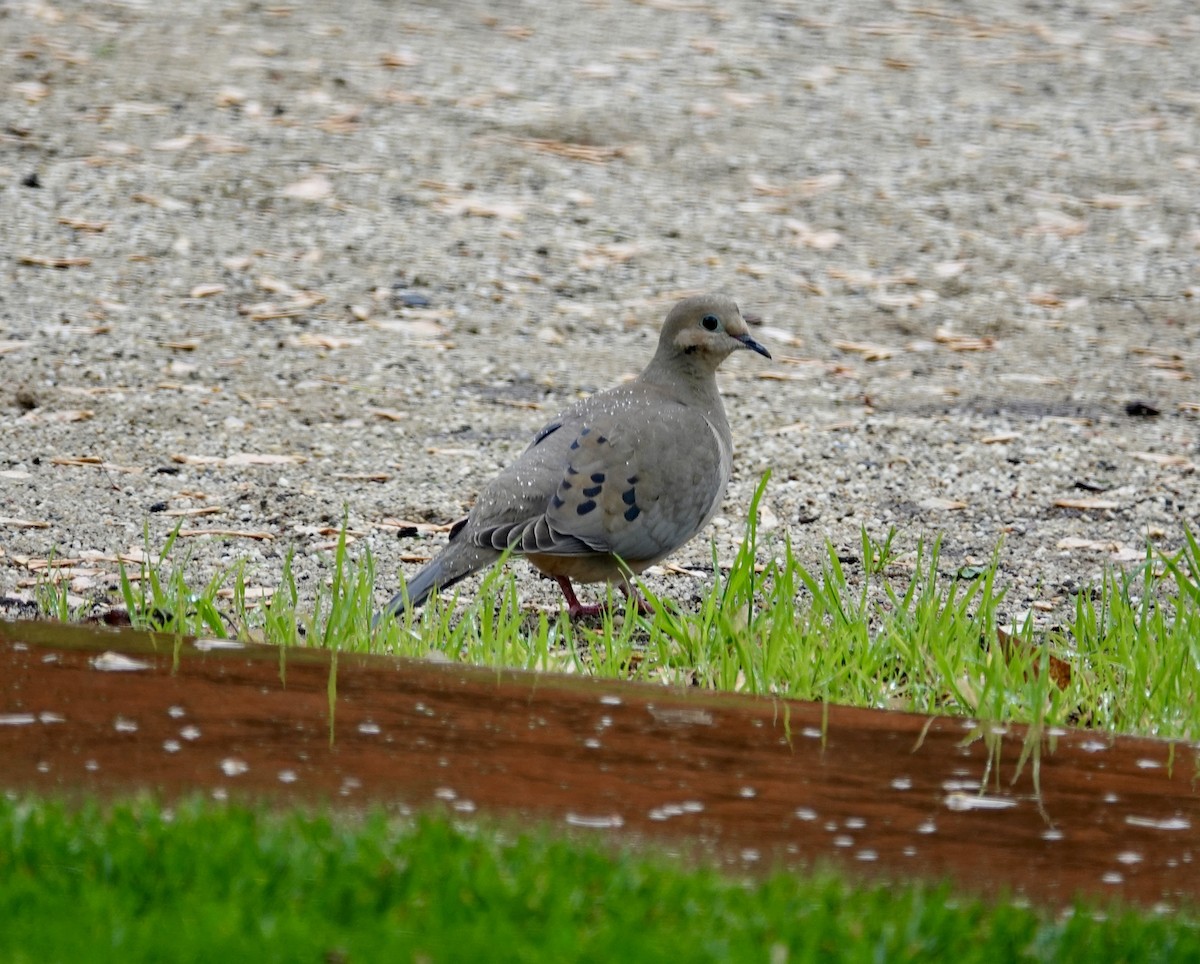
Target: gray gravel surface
(380, 244)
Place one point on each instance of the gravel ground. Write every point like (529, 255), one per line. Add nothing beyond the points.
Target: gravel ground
(266, 264)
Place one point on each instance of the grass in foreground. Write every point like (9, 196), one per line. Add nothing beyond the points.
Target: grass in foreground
(198, 882)
(906, 637)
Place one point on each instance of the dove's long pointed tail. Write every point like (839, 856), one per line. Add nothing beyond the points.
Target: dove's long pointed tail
(457, 561)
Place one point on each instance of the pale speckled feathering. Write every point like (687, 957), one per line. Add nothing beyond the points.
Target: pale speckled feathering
(617, 481)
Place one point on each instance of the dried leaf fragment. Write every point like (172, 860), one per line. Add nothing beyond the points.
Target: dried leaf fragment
(267, 310)
(808, 237)
(393, 59)
(329, 342)
(590, 153)
(317, 187)
(242, 458)
(94, 461)
(180, 143)
(59, 417)
(1029, 378)
(31, 90)
(1011, 643)
(950, 269)
(41, 261)
(1160, 458)
(80, 224)
(1058, 224)
(248, 593)
(760, 185)
(207, 290)
(1115, 202)
(910, 299)
(869, 351)
(13, 523)
(1086, 504)
(600, 256)
(1098, 545)
(938, 503)
(478, 207)
(228, 534)
(277, 286)
(596, 71)
(169, 204)
(956, 342)
(820, 183)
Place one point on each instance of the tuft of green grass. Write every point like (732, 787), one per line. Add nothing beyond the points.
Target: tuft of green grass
(159, 598)
(53, 595)
(135, 881)
(1139, 647)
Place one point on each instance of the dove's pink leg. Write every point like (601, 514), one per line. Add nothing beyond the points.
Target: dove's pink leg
(577, 610)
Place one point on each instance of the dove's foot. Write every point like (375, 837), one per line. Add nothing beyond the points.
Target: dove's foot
(577, 610)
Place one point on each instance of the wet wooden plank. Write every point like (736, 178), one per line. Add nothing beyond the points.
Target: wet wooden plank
(752, 782)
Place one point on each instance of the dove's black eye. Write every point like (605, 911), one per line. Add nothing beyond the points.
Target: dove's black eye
(710, 323)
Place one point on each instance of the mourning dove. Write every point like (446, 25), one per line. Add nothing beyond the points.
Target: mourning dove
(615, 482)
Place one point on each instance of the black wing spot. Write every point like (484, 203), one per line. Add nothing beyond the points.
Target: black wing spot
(601, 439)
(575, 444)
(632, 480)
(597, 477)
(564, 485)
(632, 513)
(584, 431)
(571, 470)
(593, 491)
(585, 507)
(629, 497)
(557, 502)
(547, 431)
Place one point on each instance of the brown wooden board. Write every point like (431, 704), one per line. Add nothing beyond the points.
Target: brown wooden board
(753, 782)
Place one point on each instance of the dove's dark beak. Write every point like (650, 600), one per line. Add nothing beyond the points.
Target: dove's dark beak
(748, 342)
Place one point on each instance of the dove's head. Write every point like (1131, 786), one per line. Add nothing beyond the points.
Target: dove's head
(706, 329)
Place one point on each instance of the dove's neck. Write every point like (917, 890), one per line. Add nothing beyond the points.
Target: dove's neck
(688, 378)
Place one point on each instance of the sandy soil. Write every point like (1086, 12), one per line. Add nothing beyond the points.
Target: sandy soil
(263, 264)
